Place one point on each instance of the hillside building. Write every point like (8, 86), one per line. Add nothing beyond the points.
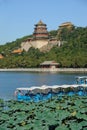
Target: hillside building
(49, 64)
(17, 51)
(67, 25)
(40, 39)
(40, 31)
(1, 56)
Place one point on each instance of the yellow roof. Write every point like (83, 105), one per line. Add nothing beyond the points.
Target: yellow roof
(17, 51)
(1, 57)
(66, 24)
(40, 23)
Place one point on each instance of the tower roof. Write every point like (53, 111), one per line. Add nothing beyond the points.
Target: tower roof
(66, 24)
(40, 23)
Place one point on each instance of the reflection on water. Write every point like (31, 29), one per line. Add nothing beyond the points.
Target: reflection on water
(9, 81)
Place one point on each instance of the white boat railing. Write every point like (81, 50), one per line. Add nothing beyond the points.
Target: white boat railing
(51, 88)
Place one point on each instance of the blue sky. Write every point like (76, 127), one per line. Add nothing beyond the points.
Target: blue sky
(18, 17)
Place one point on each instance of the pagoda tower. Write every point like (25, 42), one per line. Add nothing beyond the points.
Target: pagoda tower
(40, 31)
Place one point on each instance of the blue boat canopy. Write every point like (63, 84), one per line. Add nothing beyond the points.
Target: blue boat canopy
(81, 79)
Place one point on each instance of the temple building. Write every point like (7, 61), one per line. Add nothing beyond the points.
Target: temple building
(68, 25)
(40, 39)
(49, 64)
(1, 56)
(17, 51)
(40, 31)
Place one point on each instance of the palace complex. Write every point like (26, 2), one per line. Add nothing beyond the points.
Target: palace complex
(68, 25)
(40, 31)
(41, 38)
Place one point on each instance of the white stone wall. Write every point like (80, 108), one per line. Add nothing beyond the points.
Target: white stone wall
(36, 44)
(26, 45)
(39, 43)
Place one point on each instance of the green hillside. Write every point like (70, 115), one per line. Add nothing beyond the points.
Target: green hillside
(73, 53)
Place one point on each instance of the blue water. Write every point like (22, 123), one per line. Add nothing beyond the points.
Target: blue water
(9, 81)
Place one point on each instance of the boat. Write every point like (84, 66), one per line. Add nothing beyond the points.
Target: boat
(44, 92)
(81, 80)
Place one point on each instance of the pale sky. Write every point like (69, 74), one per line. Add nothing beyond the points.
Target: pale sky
(18, 17)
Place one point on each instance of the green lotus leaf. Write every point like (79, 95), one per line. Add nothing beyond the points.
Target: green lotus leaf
(4, 117)
(83, 110)
(28, 127)
(39, 116)
(81, 116)
(45, 127)
(83, 123)
(84, 99)
(19, 120)
(3, 127)
(20, 114)
(84, 116)
(37, 123)
(49, 119)
(21, 128)
(63, 115)
(17, 127)
(85, 128)
(75, 126)
(1, 109)
(78, 103)
(37, 127)
(62, 127)
(11, 121)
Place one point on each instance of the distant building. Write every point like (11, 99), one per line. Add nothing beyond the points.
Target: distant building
(40, 39)
(40, 31)
(49, 64)
(1, 56)
(17, 51)
(66, 25)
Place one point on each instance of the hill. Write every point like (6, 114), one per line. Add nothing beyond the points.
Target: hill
(72, 53)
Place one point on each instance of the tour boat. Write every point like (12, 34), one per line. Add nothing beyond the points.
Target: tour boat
(81, 80)
(44, 92)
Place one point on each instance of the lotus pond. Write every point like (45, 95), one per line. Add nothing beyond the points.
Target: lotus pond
(66, 113)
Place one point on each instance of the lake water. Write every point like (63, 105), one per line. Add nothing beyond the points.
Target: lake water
(9, 81)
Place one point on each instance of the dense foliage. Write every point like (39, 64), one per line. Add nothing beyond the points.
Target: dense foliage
(73, 52)
(67, 113)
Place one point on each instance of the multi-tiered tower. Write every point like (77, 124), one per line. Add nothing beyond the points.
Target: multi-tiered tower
(40, 31)
(40, 39)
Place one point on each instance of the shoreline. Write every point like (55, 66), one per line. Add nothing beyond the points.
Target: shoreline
(82, 70)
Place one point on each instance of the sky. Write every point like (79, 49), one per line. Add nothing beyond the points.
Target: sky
(18, 17)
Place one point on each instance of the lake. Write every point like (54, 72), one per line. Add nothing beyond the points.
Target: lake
(9, 81)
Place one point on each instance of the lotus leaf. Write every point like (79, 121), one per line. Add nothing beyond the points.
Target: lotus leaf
(83, 110)
(37, 124)
(22, 114)
(85, 128)
(68, 112)
(21, 128)
(62, 127)
(63, 115)
(1, 109)
(75, 126)
(39, 115)
(3, 127)
(83, 123)
(4, 117)
(81, 116)
(44, 128)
